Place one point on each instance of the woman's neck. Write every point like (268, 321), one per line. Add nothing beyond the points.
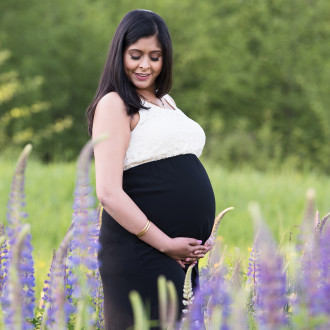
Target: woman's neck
(149, 95)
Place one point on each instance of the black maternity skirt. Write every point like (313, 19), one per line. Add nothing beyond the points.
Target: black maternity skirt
(176, 195)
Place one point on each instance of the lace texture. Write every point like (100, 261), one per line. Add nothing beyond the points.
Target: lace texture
(162, 133)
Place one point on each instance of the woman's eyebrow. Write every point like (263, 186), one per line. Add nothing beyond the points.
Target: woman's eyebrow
(140, 51)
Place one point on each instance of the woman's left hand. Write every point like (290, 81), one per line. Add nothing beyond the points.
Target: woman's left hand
(208, 244)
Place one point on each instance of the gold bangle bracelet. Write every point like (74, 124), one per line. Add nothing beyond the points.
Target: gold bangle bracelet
(144, 230)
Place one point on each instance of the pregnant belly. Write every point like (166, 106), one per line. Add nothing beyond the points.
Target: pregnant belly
(175, 194)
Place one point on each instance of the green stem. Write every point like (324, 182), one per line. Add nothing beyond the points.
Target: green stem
(140, 320)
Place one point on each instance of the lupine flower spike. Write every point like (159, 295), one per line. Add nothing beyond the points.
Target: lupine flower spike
(83, 274)
(16, 317)
(253, 275)
(58, 299)
(3, 256)
(271, 286)
(324, 285)
(307, 226)
(217, 222)
(188, 295)
(188, 298)
(57, 307)
(320, 223)
(26, 266)
(211, 306)
(214, 254)
(45, 301)
(313, 281)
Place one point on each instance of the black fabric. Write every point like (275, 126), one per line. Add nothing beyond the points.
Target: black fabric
(176, 195)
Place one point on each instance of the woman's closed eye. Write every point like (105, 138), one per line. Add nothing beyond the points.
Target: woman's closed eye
(135, 58)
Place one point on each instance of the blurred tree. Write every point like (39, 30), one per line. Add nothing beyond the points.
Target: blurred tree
(17, 122)
(254, 74)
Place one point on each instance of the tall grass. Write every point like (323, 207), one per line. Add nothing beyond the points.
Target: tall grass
(284, 284)
(281, 196)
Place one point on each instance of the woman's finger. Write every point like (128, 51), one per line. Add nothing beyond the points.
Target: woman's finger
(209, 248)
(199, 249)
(194, 242)
(197, 255)
(181, 263)
(209, 242)
(196, 252)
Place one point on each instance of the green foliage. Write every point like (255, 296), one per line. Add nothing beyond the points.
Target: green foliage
(17, 119)
(252, 73)
(259, 80)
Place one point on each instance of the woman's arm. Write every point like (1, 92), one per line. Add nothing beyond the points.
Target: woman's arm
(111, 117)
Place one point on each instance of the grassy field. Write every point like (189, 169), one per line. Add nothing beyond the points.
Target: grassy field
(281, 196)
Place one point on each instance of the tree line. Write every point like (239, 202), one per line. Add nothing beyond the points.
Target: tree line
(254, 74)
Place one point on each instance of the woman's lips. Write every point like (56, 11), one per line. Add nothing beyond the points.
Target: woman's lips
(141, 76)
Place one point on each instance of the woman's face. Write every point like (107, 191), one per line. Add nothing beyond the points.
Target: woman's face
(143, 63)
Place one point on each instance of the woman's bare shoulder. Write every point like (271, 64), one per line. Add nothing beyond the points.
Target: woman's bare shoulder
(111, 115)
(111, 100)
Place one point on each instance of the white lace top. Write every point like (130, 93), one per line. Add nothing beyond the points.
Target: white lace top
(162, 133)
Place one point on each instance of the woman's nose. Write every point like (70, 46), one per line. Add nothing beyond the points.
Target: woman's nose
(144, 63)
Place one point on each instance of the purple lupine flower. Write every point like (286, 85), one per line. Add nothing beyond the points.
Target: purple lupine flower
(324, 284)
(26, 266)
(320, 223)
(221, 298)
(68, 285)
(193, 313)
(99, 301)
(213, 296)
(309, 295)
(15, 310)
(253, 267)
(59, 308)
(82, 274)
(3, 256)
(26, 272)
(271, 292)
(271, 286)
(270, 301)
(45, 303)
(46, 289)
(312, 281)
(253, 275)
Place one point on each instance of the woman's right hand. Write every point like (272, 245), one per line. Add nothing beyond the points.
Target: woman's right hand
(183, 248)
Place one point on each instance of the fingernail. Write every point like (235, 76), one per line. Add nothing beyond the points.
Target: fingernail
(200, 242)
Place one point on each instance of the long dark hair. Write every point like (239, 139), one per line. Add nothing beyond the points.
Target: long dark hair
(136, 24)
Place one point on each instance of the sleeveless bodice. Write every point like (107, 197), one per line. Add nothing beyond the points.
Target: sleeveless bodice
(162, 133)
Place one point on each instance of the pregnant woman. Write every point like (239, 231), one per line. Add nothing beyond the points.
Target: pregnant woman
(158, 202)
